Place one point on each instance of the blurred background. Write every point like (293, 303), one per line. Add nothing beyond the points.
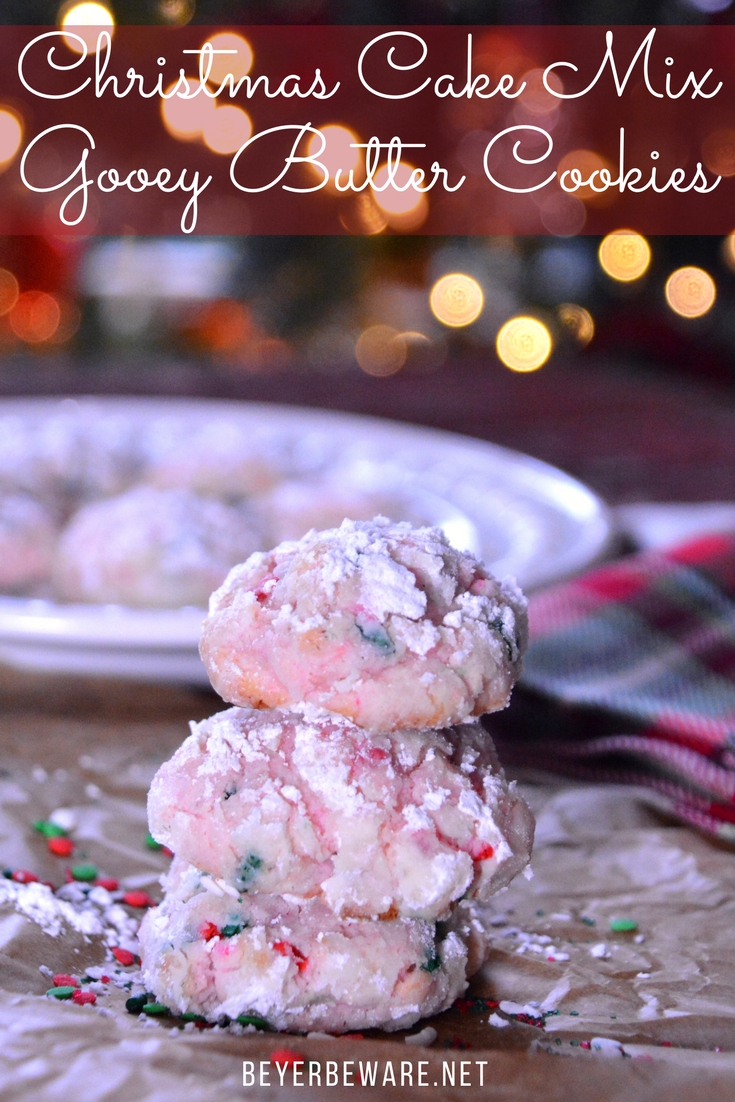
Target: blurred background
(613, 358)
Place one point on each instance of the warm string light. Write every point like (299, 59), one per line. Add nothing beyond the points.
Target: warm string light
(690, 292)
(381, 350)
(403, 210)
(523, 344)
(577, 321)
(11, 135)
(624, 255)
(85, 21)
(456, 300)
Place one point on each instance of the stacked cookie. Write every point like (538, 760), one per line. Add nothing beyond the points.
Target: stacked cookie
(335, 831)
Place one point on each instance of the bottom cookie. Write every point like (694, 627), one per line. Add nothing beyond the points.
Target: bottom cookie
(288, 960)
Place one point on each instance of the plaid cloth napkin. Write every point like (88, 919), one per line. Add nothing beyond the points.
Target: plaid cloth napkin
(630, 677)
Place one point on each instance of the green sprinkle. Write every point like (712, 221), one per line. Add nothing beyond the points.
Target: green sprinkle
(574, 1042)
(378, 636)
(49, 829)
(155, 1009)
(252, 1019)
(432, 963)
(248, 869)
(623, 925)
(84, 872)
(61, 992)
(135, 1004)
(189, 1017)
(573, 1013)
(232, 929)
(588, 921)
(540, 914)
(151, 842)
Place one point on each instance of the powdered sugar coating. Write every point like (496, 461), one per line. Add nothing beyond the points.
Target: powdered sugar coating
(292, 962)
(159, 548)
(296, 505)
(383, 623)
(219, 458)
(308, 803)
(27, 542)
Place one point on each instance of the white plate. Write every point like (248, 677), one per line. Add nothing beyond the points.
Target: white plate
(520, 515)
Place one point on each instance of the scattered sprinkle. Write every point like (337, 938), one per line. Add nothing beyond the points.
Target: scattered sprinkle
(86, 873)
(155, 1009)
(623, 925)
(151, 842)
(124, 956)
(63, 979)
(286, 1057)
(84, 998)
(49, 829)
(136, 898)
(64, 992)
(60, 846)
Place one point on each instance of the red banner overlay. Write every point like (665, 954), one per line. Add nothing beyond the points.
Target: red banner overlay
(333, 130)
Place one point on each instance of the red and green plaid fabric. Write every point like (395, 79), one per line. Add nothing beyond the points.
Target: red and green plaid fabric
(630, 677)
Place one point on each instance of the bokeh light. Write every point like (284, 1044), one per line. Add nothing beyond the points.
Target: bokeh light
(718, 151)
(185, 119)
(690, 292)
(403, 210)
(535, 98)
(178, 12)
(70, 318)
(456, 300)
(577, 321)
(728, 250)
(624, 255)
(362, 216)
(587, 162)
(523, 344)
(226, 129)
(381, 350)
(35, 316)
(9, 291)
(85, 20)
(339, 154)
(11, 135)
(238, 63)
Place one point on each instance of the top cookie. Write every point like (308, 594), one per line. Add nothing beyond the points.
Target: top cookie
(383, 623)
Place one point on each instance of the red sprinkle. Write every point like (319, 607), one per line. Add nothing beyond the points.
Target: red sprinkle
(351, 1037)
(287, 1057)
(166, 851)
(22, 876)
(286, 949)
(63, 979)
(585, 1044)
(485, 853)
(60, 847)
(124, 956)
(105, 979)
(208, 930)
(82, 998)
(138, 899)
(109, 883)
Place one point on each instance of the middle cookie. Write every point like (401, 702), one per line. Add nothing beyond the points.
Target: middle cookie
(304, 802)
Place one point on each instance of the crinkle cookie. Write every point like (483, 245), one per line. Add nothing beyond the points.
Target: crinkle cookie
(384, 623)
(372, 824)
(159, 548)
(209, 950)
(219, 458)
(27, 542)
(296, 505)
